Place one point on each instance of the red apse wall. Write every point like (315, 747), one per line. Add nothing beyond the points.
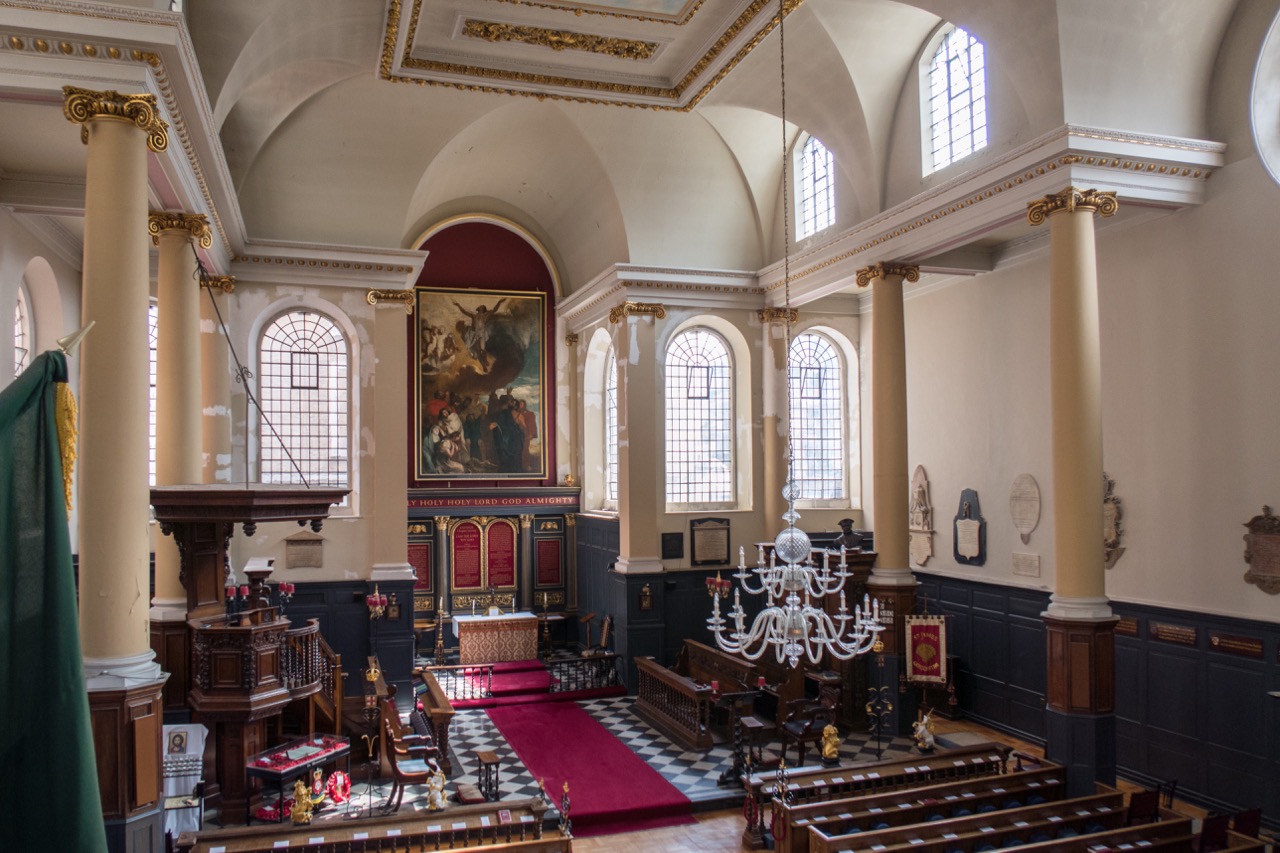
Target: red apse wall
(485, 256)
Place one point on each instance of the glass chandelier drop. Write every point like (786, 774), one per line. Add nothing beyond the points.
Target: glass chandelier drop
(794, 623)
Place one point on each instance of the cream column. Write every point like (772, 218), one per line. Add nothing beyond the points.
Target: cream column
(390, 455)
(639, 457)
(216, 373)
(178, 375)
(1075, 376)
(114, 491)
(776, 421)
(570, 439)
(890, 477)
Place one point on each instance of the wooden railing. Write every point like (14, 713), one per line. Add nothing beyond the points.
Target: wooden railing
(675, 705)
(570, 675)
(329, 697)
(300, 664)
(460, 683)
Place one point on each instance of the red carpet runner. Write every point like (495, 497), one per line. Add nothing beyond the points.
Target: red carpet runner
(611, 789)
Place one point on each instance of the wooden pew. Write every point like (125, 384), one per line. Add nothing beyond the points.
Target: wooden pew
(475, 826)
(437, 712)
(912, 805)
(674, 704)
(1166, 835)
(1027, 823)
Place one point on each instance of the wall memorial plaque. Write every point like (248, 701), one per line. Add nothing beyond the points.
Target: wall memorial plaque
(1024, 505)
(1127, 626)
(920, 522)
(1262, 551)
(970, 531)
(500, 556)
(1026, 565)
(672, 546)
(709, 541)
(1235, 644)
(420, 559)
(550, 569)
(1181, 635)
(464, 550)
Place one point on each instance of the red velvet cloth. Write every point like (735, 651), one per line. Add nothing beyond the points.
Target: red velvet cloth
(611, 789)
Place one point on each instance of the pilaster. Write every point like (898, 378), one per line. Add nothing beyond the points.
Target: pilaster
(640, 492)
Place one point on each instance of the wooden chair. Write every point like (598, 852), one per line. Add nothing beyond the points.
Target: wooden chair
(805, 721)
(1213, 833)
(606, 634)
(1144, 807)
(411, 756)
(1247, 822)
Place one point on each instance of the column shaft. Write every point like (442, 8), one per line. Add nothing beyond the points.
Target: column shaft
(114, 488)
(389, 494)
(215, 367)
(639, 460)
(889, 425)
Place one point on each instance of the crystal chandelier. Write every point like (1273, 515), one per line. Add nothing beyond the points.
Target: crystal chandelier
(794, 622)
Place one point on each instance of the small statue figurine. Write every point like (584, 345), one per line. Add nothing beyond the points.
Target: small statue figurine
(922, 729)
(301, 812)
(435, 791)
(830, 745)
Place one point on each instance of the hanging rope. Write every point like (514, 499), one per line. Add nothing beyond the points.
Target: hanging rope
(786, 257)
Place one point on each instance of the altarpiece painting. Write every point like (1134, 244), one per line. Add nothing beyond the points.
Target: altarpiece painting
(480, 386)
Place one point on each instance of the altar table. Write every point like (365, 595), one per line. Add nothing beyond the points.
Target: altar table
(493, 639)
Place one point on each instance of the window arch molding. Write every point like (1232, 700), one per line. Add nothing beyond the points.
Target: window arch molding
(744, 374)
(594, 483)
(925, 64)
(262, 320)
(851, 414)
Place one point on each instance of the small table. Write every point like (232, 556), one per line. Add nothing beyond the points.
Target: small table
(488, 775)
(286, 762)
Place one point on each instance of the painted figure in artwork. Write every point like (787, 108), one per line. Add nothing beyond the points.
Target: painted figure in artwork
(476, 336)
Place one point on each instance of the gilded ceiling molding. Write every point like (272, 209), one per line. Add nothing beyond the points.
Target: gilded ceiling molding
(607, 13)
(1071, 200)
(559, 40)
(225, 283)
(631, 309)
(312, 262)
(910, 272)
(778, 315)
(195, 224)
(395, 11)
(82, 105)
(404, 297)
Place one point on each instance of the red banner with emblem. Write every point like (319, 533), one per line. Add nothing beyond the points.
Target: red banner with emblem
(926, 649)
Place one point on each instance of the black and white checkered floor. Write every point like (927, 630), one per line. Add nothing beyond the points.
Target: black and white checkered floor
(695, 774)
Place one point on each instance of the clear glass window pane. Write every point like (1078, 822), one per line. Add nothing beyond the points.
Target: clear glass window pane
(21, 334)
(611, 426)
(958, 101)
(699, 420)
(816, 389)
(816, 195)
(151, 333)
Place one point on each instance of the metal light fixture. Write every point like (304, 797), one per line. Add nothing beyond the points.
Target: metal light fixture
(793, 623)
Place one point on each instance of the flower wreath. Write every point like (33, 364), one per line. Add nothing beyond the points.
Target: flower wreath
(338, 787)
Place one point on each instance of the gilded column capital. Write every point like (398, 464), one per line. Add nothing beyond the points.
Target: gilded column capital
(910, 272)
(630, 309)
(442, 523)
(194, 224)
(1071, 200)
(571, 339)
(81, 105)
(225, 283)
(404, 297)
(570, 521)
(526, 521)
(778, 315)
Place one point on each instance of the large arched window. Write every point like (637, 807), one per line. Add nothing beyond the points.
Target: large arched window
(611, 427)
(957, 98)
(815, 189)
(21, 334)
(699, 391)
(304, 429)
(815, 385)
(152, 315)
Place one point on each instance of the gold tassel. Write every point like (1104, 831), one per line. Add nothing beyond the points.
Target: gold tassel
(66, 414)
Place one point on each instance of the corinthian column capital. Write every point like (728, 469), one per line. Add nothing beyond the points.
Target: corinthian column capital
(195, 224)
(81, 105)
(1071, 200)
(910, 272)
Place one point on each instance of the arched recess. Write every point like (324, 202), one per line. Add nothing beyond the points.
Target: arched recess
(744, 431)
(1264, 102)
(41, 285)
(481, 252)
(594, 492)
(529, 163)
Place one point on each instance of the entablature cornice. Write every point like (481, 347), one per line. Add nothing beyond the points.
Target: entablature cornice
(946, 221)
(314, 265)
(673, 287)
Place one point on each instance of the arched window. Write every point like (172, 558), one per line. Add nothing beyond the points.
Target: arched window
(699, 391)
(152, 314)
(21, 334)
(611, 426)
(815, 384)
(815, 189)
(957, 98)
(304, 429)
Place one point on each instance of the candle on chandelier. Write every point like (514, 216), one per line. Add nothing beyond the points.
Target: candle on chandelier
(231, 591)
(759, 681)
(715, 686)
(244, 590)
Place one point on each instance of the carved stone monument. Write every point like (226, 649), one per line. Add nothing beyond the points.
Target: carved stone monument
(1262, 551)
(1024, 505)
(1111, 515)
(920, 525)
